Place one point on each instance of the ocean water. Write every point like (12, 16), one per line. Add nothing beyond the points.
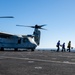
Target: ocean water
(54, 49)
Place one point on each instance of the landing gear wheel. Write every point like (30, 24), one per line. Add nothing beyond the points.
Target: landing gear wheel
(16, 49)
(32, 50)
(2, 49)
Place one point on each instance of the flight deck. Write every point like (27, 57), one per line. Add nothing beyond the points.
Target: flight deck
(37, 63)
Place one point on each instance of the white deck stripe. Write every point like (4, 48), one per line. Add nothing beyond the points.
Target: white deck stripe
(41, 60)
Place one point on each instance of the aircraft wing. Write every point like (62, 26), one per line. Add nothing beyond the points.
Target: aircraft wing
(5, 35)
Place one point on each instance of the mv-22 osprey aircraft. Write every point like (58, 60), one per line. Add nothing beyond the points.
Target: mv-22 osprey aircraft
(20, 42)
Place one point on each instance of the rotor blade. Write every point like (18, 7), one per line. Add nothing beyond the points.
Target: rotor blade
(6, 17)
(43, 28)
(43, 25)
(26, 26)
(21, 25)
(36, 26)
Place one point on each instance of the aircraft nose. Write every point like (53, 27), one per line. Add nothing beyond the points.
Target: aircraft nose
(34, 45)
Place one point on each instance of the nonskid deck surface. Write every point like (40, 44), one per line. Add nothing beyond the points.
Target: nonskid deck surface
(37, 63)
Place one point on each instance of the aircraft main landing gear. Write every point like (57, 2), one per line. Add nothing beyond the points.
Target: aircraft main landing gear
(16, 49)
(2, 49)
(32, 50)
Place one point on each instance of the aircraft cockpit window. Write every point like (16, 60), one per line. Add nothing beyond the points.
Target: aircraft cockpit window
(25, 39)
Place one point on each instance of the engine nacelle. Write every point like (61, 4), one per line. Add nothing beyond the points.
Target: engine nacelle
(36, 34)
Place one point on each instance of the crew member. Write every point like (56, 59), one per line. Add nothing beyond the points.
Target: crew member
(63, 47)
(58, 46)
(69, 46)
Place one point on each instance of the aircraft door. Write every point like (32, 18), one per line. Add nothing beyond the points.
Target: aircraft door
(19, 41)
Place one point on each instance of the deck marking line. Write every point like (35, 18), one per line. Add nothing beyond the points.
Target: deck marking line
(41, 60)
